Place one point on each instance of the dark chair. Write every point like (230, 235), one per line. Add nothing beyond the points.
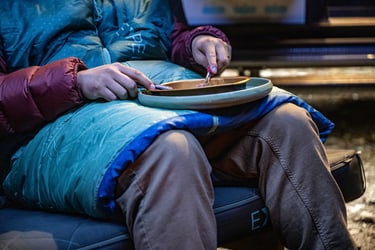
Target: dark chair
(240, 214)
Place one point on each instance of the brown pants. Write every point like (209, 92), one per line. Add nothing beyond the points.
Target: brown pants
(168, 195)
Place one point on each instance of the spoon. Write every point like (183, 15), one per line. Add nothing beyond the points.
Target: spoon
(208, 77)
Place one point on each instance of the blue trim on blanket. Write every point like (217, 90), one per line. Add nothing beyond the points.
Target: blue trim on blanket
(200, 123)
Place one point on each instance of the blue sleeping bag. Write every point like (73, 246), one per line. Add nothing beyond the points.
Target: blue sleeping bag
(72, 163)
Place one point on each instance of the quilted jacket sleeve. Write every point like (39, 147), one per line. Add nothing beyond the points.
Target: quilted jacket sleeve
(32, 96)
(182, 37)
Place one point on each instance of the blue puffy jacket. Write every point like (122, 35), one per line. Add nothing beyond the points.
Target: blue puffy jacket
(98, 32)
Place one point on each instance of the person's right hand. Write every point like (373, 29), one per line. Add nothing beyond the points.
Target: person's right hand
(211, 52)
(111, 82)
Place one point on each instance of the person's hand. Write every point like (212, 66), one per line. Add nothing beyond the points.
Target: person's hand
(111, 82)
(211, 52)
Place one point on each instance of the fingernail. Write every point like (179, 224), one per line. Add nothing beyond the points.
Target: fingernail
(213, 69)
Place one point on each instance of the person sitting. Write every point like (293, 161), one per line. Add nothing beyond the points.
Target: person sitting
(76, 139)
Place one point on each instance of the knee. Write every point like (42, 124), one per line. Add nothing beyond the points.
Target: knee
(182, 147)
(182, 154)
(292, 120)
(179, 142)
(289, 120)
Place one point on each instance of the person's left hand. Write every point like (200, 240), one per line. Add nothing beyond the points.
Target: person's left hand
(211, 52)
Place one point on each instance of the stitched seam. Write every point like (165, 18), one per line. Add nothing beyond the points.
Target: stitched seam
(294, 184)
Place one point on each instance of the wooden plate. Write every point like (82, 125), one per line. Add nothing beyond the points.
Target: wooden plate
(199, 87)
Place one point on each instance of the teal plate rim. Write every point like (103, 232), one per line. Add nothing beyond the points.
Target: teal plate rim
(256, 88)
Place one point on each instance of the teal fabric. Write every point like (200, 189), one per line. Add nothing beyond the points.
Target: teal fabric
(96, 31)
(72, 154)
(163, 71)
(63, 166)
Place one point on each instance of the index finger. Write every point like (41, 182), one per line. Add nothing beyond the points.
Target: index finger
(211, 59)
(137, 76)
